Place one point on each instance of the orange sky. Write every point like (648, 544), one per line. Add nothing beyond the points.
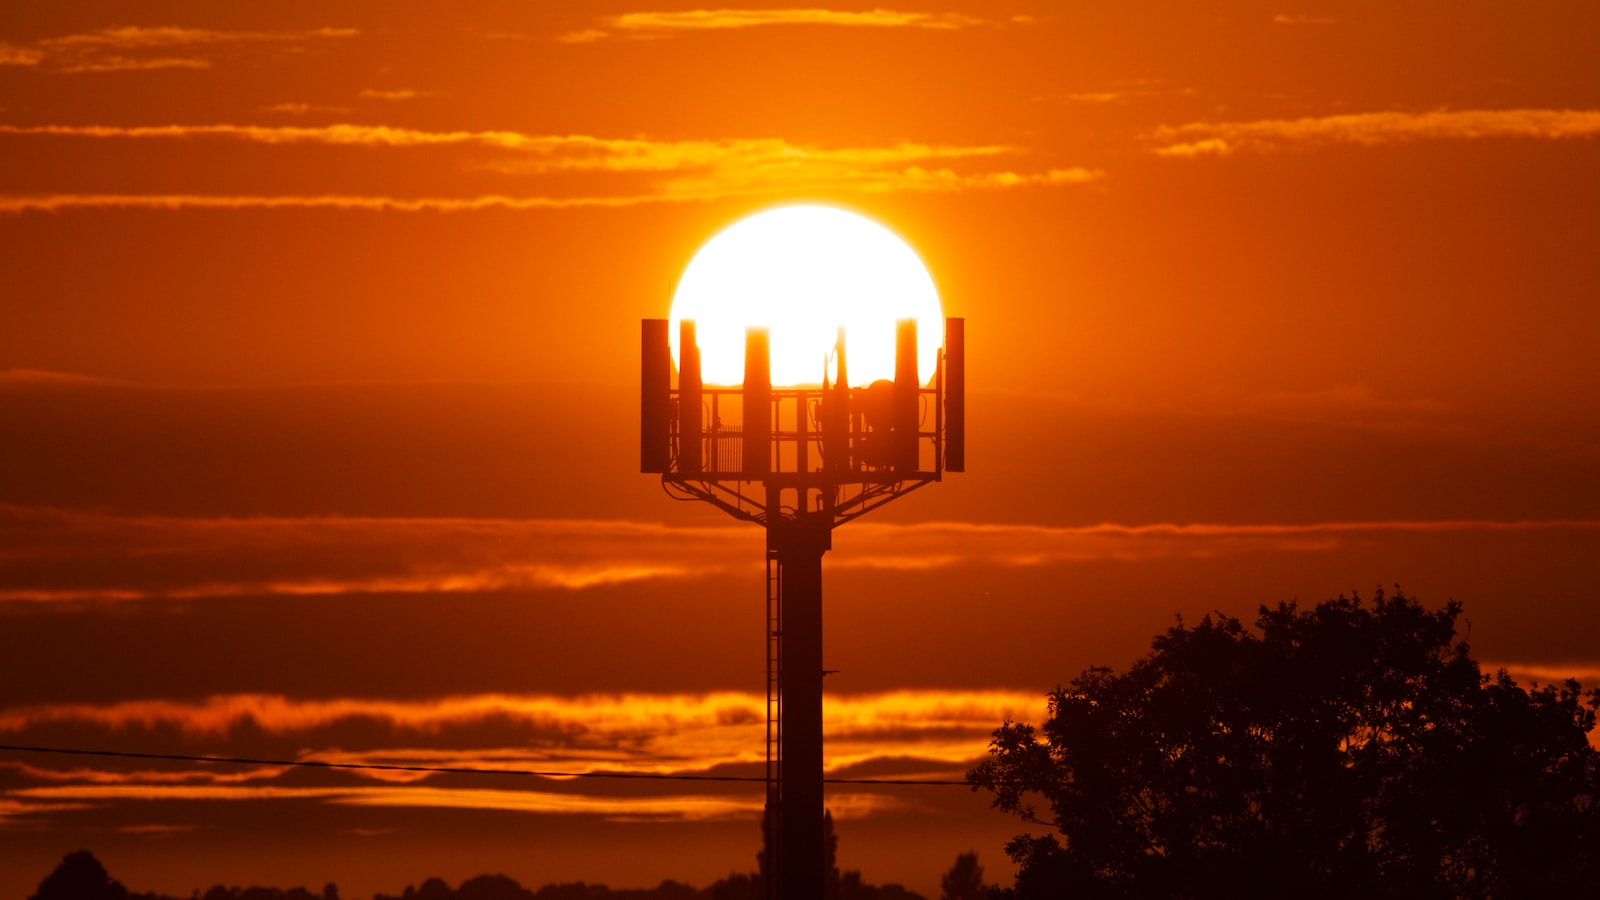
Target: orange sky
(318, 375)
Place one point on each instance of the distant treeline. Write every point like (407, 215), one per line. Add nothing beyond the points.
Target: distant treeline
(82, 877)
(734, 887)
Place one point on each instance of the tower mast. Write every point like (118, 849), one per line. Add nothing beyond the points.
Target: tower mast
(800, 462)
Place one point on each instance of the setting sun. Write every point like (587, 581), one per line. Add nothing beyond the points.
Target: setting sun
(340, 427)
(804, 271)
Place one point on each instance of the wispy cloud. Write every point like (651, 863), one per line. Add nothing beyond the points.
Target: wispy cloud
(673, 171)
(368, 203)
(34, 379)
(942, 544)
(610, 718)
(339, 134)
(1346, 405)
(537, 153)
(11, 808)
(1369, 129)
(1587, 673)
(132, 48)
(61, 555)
(300, 109)
(88, 775)
(1128, 91)
(682, 808)
(114, 63)
(179, 558)
(1302, 19)
(13, 55)
(397, 95)
(138, 38)
(1202, 147)
(665, 24)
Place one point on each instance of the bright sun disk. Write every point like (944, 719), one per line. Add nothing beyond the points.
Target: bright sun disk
(801, 272)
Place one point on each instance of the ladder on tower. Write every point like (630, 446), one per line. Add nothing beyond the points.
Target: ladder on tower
(774, 859)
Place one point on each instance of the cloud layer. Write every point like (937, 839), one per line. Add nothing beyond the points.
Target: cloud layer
(655, 171)
(638, 733)
(1369, 129)
(66, 555)
(666, 24)
(898, 735)
(135, 48)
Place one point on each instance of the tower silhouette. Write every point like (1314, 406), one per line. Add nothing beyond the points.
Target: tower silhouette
(800, 462)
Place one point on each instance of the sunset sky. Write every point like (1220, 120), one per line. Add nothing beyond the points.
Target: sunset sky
(319, 398)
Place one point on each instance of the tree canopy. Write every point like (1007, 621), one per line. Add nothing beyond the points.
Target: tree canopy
(1347, 750)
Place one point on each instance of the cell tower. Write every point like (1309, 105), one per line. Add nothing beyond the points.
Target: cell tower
(800, 462)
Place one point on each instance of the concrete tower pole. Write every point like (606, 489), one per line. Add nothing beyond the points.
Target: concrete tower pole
(835, 453)
(799, 545)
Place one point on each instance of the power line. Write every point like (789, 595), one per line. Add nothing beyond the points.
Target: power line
(453, 770)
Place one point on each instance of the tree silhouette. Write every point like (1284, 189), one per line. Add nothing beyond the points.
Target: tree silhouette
(80, 876)
(1347, 750)
(492, 887)
(964, 881)
(224, 892)
(433, 889)
(832, 880)
(740, 886)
